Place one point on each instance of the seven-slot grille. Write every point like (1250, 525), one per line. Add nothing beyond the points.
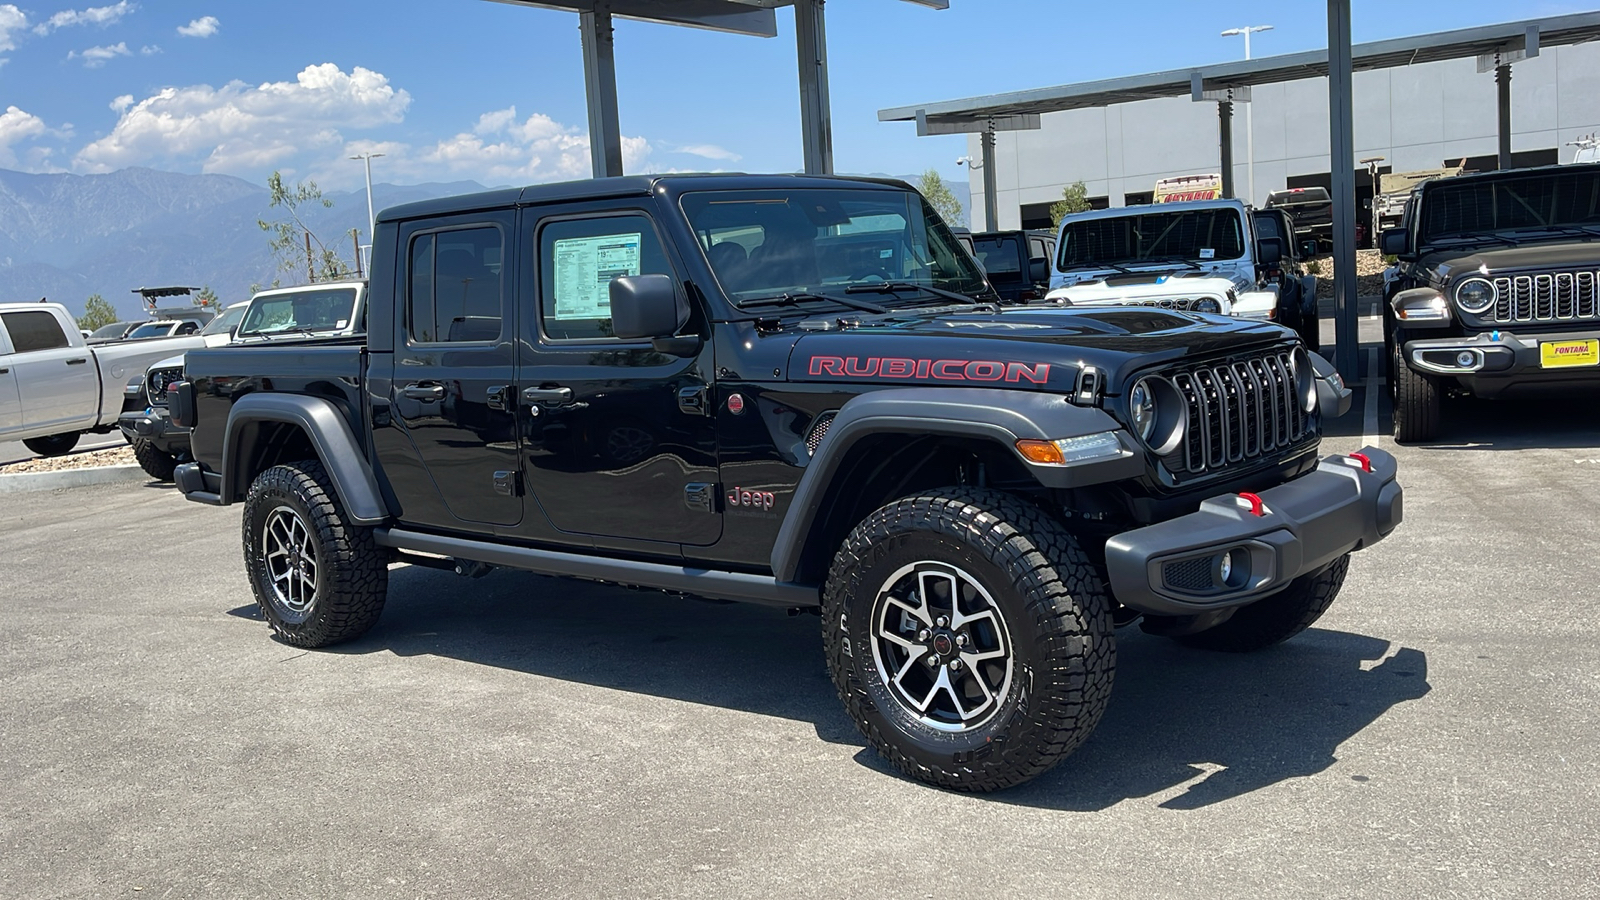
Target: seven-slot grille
(1553, 297)
(1239, 410)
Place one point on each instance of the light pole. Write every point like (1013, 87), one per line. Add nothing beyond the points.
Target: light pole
(1249, 111)
(372, 217)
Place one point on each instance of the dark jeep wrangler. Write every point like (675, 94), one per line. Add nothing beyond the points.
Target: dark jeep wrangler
(795, 391)
(1498, 290)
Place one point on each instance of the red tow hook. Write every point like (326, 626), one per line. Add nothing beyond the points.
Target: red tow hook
(1257, 508)
(1366, 463)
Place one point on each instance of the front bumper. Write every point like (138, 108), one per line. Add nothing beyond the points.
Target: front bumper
(154, 426)
(1174, 568)
(1500, 360)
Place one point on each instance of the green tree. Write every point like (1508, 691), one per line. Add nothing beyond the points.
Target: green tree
(296, 247)
(206, 297)
(1074, 199)
(97, 313)
(941, 198)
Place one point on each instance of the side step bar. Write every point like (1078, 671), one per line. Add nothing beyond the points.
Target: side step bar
(717, 585)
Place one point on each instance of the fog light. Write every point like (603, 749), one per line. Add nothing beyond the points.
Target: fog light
(1466, 358)
(1225, 567)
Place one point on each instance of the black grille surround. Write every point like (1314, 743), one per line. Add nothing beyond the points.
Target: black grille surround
(1242, 410)
(157, 383)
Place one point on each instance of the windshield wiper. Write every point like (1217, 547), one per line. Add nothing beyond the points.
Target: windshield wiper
(1179, 260)
(798, 297)
(1475, 239)
(896, 287)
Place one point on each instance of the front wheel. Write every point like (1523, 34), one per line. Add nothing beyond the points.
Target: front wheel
(54, 445)
(969, 637)
(318, 578)
(1277, 618)
(1417, 407)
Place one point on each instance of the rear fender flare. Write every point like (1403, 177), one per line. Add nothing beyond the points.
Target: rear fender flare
(336, 446)
(1001, 416)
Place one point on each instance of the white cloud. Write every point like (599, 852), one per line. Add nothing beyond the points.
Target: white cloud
(241, 128)
(11, 19)
(149, 50)
(95, 15)
(711, 151)
(95, 57)
(122, 103)
(502, 149)
(203, 27)
(17, 126)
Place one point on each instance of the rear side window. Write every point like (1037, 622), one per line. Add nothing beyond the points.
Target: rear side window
(456, 285)
(578, 258)
(999, 255)
(32, 331)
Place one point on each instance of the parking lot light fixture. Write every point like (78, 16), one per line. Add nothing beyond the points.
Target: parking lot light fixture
(1249, 112)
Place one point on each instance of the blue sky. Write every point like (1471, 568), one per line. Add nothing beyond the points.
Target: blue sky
(469, 89)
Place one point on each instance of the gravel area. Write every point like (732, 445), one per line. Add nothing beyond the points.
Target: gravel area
(115, 456)
(1369, 273)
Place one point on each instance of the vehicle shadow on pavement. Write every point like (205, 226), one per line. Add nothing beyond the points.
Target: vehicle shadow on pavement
(1519, 423)
(1214, 726)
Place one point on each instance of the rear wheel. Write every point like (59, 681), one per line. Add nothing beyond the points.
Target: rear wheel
(1416, 401)
(1277, 618)
(157, 463)
(318, 578)
(969, 638)
(54, 445)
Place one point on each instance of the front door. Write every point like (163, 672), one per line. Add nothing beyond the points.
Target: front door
(619, 437)
(454, 371)
(58, 384)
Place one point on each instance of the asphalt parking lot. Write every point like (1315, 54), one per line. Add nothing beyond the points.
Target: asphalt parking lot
(518, 736)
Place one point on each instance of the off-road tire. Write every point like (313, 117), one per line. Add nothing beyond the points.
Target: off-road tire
(1277, 618)
(157, 463)
(1055, 607)
(1416, 402)
(54, 445)
(352, 572)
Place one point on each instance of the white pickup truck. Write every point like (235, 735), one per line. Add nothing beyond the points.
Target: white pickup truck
(54, 387)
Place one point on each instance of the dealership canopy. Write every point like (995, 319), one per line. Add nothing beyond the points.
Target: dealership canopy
(752, 17)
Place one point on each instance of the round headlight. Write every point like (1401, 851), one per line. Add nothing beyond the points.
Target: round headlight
(1142, 408)
(1207, 305)
(1475, 295)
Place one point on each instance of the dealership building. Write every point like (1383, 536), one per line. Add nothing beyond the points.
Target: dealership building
(1414, 114)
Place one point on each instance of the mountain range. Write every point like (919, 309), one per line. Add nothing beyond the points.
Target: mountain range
(64, 237)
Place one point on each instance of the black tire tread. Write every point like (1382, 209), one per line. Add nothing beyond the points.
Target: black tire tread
(155, 462)
(1278, 618)
(1069, 605)
(350, 603)
(1416, 403)
(52, 445)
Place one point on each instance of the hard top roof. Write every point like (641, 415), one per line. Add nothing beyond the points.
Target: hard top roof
(626, 186)
(1508, 174)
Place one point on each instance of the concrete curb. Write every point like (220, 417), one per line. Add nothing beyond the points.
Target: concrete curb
(70, 478)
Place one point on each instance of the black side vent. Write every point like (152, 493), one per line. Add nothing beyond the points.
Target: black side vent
(819, 430)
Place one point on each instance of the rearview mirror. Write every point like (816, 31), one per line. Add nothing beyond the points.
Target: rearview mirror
(646, 306)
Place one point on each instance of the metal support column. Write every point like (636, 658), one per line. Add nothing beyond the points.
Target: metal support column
(816, 126)
(991, 204)
(1225, 137)
(600, 83)
(1341, 158)
(1502, 79)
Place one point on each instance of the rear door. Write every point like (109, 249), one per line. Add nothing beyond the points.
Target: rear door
(57, 383)
(453, 371)
(619, 438)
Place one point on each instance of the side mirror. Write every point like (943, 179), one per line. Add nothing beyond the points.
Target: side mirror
(1393, 241)
(1271, 252)
(646, 306)
(1333, 396)
(1039, 271)
(1309, 248)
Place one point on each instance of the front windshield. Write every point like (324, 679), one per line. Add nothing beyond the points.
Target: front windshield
(1534, 201)
(224, 323)
(1161, 235)
(314, 311)
(150, 330)
(768, 243)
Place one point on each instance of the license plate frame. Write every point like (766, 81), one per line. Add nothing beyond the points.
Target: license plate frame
(1569, 354)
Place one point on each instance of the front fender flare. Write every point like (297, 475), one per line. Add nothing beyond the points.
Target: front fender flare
(1002, 416)
(336, 446)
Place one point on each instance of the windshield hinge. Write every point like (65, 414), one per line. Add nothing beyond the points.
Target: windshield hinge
(1091, 385)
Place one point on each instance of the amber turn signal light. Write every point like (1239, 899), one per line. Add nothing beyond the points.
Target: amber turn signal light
(1044, 452)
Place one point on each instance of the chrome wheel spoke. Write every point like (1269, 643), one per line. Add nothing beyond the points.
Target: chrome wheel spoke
(920, 613)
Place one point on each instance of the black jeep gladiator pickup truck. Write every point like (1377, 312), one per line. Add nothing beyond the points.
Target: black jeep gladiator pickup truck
(1497, 292)
(795, 391)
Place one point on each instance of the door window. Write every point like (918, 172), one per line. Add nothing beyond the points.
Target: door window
(578, 258)
(456, 284)
(32, 331)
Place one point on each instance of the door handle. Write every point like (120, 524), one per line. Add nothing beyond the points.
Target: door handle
(547, 395)
(497, 396)
(77, 362)
(5, 371)
(423, 392)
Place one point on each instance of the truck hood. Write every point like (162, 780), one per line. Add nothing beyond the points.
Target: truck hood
(1031, 350)
(1447, 264)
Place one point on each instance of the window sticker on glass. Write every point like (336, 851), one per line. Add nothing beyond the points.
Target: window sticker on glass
(584, 268)
(1208, 253)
